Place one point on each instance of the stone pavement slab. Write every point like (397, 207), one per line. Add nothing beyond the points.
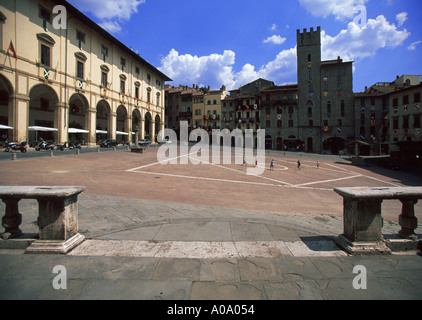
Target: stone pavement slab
(27, 276)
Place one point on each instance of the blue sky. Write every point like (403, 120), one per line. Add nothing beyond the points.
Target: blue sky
(234, 42)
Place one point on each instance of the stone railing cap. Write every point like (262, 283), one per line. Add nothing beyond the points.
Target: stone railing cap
(39, 191)
(381, 192)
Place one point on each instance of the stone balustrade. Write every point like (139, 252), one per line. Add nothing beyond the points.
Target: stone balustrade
(362, 219)
(57, 216)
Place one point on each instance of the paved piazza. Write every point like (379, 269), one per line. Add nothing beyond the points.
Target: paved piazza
(284, 189)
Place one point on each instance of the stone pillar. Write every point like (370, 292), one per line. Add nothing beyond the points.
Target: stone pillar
(58, 218)
(152, 131)
(407, 219)
(20, 116)
(112, 126)
(362, 219)
(92, 127)
(12, 219)
(61, 122)
(142, 128)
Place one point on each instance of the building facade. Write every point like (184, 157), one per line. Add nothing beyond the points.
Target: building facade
(325, 97)
(77, 77)
(279, 116)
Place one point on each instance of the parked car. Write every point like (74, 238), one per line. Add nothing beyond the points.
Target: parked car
(164, 141)
(108, 143)
(144, 142)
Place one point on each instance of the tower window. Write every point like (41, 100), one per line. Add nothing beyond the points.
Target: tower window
(309, 57)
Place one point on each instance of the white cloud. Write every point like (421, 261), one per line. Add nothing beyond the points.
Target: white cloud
(412, 47)
(111, 26)
(215, 70)
(275, 39)
(401, 18)
(342, 10)
(358, 43)
(273, 27)
(110, 12)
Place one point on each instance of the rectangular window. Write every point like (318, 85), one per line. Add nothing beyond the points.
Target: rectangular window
(123, 63)
(45, 55)
(395, 123)
(80, 37)
(417, 97)
(406, 99)
(406, 122)
(104, 53)
(137, 92)
(122, 86)
(45, 15)
(79, 69)
(290, 123)
(417, 121)
(104, 79)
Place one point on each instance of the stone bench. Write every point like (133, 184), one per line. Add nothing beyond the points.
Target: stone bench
(57, 216)
(362, 220)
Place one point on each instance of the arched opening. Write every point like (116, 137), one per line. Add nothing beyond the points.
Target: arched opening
(136, 122)
(334, 145)
(6, 107)
(279, 143)
(122, 130)
(43, 112)
(148, 126)
(157, 127)
(103, 120)
(78, 118)
(309, 145)
(268, 142)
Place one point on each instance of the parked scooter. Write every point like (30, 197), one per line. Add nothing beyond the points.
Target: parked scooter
(45, 146)
(16, 146)
(70, 146)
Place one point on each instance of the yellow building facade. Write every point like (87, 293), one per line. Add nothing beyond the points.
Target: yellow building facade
(60, 70)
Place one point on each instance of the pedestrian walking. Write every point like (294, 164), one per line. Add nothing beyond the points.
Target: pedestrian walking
(298, 164)
(256, 162)
(317, 164)
(272, 164)
(244, 162)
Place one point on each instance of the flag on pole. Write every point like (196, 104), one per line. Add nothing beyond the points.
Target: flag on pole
(11, 48)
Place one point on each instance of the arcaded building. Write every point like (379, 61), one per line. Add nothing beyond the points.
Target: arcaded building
(74, 75)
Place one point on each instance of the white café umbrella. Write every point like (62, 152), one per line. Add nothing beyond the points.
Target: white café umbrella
(101, 131)
(3, 127)
(75, 130)
(122, 133)
(39, 128)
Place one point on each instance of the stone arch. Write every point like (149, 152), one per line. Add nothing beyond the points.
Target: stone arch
(78, 116)
(121, 122)
(6, 108)
(268, 142)
(103, 120)
(148, 126)
(43, 112)
(137, 122)
(334, 144)
(157, 126)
